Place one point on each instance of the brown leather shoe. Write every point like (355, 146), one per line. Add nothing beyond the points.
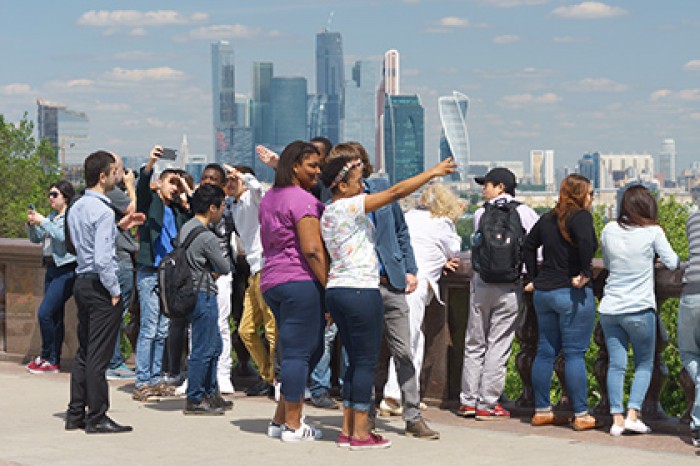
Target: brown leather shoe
(586, 422)
(549, 419)
(420, 429)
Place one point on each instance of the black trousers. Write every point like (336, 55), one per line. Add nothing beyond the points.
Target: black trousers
(98, 326)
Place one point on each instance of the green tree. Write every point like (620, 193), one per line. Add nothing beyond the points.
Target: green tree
(28, 168)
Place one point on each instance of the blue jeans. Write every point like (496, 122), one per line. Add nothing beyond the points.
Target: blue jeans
(299, 313)
(321, 375)
(154, 328)
(359, 315)
(125, 275)
(206, 348)
(689, 346)
(621, 330)
(565, 319)
(58, 288)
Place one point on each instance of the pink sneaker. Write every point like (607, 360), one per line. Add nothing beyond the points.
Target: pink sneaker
(44, 368)
(343, 440)
(374, 441)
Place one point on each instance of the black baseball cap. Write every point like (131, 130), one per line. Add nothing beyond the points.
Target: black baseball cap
(497, 176)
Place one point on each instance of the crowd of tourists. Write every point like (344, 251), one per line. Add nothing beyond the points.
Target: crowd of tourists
(327, 253)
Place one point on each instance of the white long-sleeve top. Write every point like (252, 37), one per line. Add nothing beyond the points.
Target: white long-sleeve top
(628, 254)
(245, 217)
(434, 241)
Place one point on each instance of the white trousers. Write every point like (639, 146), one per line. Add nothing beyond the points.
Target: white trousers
(223, 300)
(417, 302)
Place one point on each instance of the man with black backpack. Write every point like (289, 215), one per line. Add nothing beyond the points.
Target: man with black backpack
(500, 226)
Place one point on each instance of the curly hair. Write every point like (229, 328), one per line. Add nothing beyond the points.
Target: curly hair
(442, 202)
(573, 193)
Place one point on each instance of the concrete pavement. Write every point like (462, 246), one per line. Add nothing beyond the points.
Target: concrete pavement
(31, 433)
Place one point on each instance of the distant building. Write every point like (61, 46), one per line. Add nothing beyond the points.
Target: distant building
(223, 100)
(542, 168)
(330, 82)
(589, 166)
(68, 132)
(261, 105)
(288, 97)
(360, 118)
(404, 137)
(388, 85)
(195, 166)
(453, 116)
(614, 170)
(666, 161)
(559, 175)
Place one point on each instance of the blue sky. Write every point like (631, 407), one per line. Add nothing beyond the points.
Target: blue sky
(551, 74)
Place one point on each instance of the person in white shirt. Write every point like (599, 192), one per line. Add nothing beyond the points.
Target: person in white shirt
(436, 246)
(628, 308)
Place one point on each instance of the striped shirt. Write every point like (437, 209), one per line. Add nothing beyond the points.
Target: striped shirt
(691, 278)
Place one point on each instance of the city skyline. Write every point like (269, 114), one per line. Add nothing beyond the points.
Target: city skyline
(575, 77)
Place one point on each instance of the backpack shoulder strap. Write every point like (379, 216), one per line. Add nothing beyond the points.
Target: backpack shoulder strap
(192, 235)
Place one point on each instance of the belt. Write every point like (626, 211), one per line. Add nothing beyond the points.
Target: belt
(89, 275)
(384, 280)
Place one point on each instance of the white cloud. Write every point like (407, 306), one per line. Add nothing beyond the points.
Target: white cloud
(588, 10)
(135, 18)
(528, 100)
(157, 123)
(595, 85)
(695, 116)
(692, 65)
(660, 94)
(228, 31)
(163, 73)
(17, 89)
(687, 95)
(138, 32)
(513, 3)
(507, 39)
(453, 21)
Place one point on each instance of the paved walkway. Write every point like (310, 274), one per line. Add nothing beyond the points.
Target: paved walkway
(31, 432)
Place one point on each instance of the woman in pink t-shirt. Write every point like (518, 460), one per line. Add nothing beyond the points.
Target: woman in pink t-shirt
(292, 281)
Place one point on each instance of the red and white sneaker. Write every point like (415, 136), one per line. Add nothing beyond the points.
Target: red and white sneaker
(34, 363)
(343, 440)
(492, 414)
(373, 441)
(44, 368)
(466, 411)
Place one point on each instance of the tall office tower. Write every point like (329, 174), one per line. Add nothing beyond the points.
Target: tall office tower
(666, 160)
(330, 82)
(404, 137)
(223, 100)
(317, 116)
(453, 116)
(289, 96)
(542, 168)
(359, 123)
(589, 166)
(388, 85)
(68, 132)
(261, 106)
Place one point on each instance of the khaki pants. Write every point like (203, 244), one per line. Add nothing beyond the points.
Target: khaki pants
(256, 312)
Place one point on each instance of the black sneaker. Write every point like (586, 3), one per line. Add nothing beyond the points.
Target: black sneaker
(695, 437)
(324, 401)
(218, 401)
(261, 388)
(203, 408)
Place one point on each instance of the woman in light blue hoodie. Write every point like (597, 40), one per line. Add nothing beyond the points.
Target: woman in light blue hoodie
(628, 308)
(59, 278)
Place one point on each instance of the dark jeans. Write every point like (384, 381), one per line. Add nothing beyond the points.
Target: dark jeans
(206, 348)
(98, 325)
(125, 274)
(175, 345)
(565, 319)
(359, 315)
(298, 309)
(58, 288)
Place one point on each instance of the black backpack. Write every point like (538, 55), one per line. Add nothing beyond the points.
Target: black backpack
(175, 290)
(497, 244)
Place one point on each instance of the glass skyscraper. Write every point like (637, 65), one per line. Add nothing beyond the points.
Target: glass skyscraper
(453, 116)
(404, 137)
(223, 100)
(359, 123)
(68, 132)
(666, 160)
(330, 82)
(261, 106)
(289, 96)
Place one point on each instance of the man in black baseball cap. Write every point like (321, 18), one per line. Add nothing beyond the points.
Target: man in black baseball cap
(497, 176)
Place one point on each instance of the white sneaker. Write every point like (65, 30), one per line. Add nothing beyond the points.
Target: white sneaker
(182, 389)
(307, 394)
(616, 430)
(278, 389)
(225, 386)
(274, 430)
(303, 433)
(637, 426)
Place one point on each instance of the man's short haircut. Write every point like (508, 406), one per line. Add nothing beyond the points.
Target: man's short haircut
(244, 169)
(205, 196)
(327, 144)
(218, 168)
(95, 164)
(168, 172)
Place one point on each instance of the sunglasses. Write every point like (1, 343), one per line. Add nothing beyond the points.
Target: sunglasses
(54, 194)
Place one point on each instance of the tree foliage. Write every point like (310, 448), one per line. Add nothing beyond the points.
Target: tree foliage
(28, 168)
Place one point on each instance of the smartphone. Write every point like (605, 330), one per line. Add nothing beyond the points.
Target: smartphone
(168, 154)
(31, 207)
